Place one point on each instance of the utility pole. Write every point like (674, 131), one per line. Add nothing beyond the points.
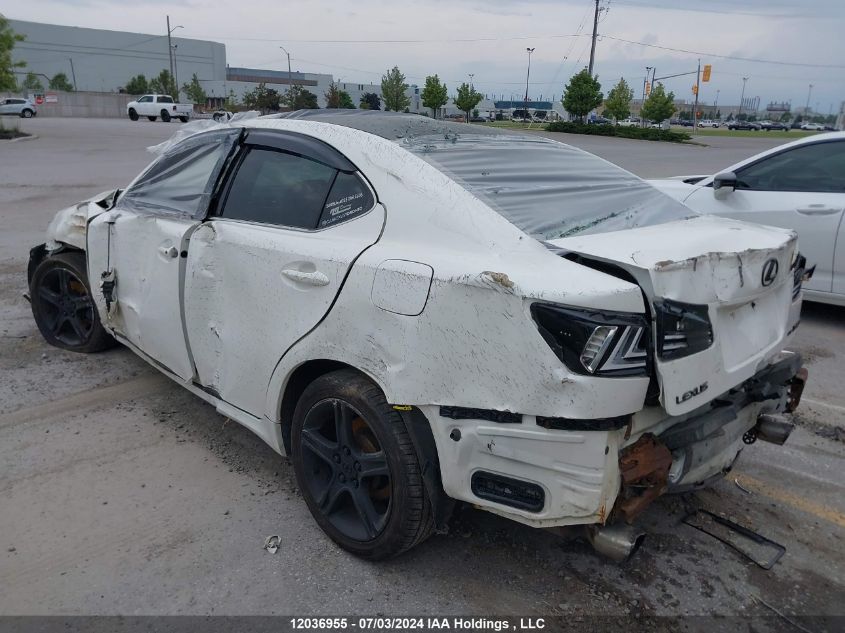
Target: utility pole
(176, 72)
(169, 47)
(72, 72)
(697, 89)
(290, 81)
(527, 75)
(595, 34)
(807, 108)
(741, 97)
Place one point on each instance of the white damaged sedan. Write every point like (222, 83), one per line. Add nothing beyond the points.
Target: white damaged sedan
(422, 313)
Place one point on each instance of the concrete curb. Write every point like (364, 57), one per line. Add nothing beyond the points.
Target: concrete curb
(31, 137)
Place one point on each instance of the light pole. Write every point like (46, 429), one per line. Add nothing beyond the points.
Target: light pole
(176, 71)
(290, 85)
(170, 46)
(471, 75)
(741, 97)
(807, 108)
(527, 75)
(716, 105)
(72, 72)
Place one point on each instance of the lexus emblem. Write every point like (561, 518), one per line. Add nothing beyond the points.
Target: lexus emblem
(770, 271)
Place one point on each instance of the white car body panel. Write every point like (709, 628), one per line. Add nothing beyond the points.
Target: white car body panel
(817, 217)
(387, 295)
(154, 107)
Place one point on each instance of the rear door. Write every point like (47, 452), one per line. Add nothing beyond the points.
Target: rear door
(801, 188)
(142, 245)
(265, 269)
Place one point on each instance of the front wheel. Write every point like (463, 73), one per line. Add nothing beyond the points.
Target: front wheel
(133, 116)
(183, 119)
(63, 305)
(357, 467)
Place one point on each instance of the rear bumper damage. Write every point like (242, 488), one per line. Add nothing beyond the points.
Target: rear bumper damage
(515, 466)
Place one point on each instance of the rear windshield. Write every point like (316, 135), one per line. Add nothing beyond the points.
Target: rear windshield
(547, 189)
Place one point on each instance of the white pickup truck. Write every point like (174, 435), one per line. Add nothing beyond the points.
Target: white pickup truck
(154, 106)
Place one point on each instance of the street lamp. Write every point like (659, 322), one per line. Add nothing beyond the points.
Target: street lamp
(809, 92)
(170, 44)
(289, 74)
(471, 75)
(176, 71)
(741, 97)
(527, 75)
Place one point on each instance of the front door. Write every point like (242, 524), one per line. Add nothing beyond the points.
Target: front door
(265, 270)
(142, 243)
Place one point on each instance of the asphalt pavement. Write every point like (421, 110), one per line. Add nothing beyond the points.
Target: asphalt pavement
(123, 494)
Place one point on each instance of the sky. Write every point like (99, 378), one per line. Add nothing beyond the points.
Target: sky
(797, 42)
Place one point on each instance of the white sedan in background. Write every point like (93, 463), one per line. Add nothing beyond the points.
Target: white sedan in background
(800, 186)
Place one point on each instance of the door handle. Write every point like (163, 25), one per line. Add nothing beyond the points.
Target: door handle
(169, 251)
(315, 278)
(818, 209)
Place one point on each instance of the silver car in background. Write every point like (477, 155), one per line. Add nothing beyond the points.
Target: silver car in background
(18, 106)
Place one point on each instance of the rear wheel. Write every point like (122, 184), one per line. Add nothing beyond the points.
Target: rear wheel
(165, 116)
(63, 305)
(357, 467)
(27, 114)
(133, 116)
(152, 118)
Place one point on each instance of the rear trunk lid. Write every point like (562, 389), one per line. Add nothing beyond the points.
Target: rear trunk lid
(735, 274)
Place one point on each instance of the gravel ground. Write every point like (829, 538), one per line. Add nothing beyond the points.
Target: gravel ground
(123, 494)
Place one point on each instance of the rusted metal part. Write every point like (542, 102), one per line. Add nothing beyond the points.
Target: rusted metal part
(644, 467)
(796, 388)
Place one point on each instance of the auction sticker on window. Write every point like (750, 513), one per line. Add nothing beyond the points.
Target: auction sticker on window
(348, 199)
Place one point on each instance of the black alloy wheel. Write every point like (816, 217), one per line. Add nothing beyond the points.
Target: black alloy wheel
(63, 307)
(357, 467)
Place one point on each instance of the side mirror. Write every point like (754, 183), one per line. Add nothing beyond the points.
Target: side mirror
(724, 183)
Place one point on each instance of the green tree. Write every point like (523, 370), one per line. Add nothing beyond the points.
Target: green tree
(393, 89)
(338, 99)
(164, 85)
(137, 85)
(370, 101)
(263, 99)
(193, 89)
(8, 39)
(298, 98)
(231, 99)
(659, 106)
(618, 102)
(32, 82)
(582, 94)
(434, 94)
(60, 82)
(467, 98)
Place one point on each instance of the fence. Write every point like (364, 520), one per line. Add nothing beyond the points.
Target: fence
(79, 104)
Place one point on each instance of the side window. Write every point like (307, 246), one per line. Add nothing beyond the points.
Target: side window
(819, 167)
(182, 180)
(275, 187)
(348, 198)
(165, 99)
(146, 99)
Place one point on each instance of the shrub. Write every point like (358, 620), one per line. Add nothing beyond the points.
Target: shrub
(643, 133)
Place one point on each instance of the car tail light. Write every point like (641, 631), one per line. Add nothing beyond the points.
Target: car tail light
(595, 342)
(682, 329)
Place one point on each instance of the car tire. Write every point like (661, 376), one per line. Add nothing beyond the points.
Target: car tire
(63, 305)
(342, 427)
(165, 116)
(151, 118)
(133, 116)
(27, 113)
(183, 119)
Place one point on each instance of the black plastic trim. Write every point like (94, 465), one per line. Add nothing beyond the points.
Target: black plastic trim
(467, 413)
(575, 424)
(523, 502)
(301, 145)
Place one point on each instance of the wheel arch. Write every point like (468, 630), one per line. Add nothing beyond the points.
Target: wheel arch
(38, 254)
(417, 424)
